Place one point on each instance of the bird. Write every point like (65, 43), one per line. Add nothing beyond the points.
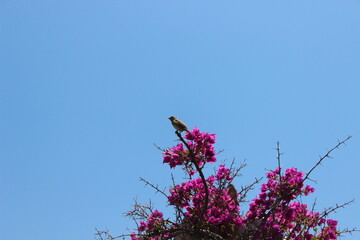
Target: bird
(178, 124)
(233, 193)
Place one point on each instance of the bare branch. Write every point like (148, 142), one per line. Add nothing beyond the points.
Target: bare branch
(245, 189)
(159, 148)
(279, 159)
(346, 230)
(236, 171)
(105, 235)
(327, 155)
(327, 211)
(156, 187)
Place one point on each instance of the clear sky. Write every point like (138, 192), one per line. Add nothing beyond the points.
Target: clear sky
(86, 88)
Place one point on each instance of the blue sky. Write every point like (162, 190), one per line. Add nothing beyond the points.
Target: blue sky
(86, 88)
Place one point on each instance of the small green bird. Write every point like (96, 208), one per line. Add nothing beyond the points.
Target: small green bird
(178, 124)
(233, 193)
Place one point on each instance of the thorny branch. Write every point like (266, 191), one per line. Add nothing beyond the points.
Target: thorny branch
(290, 191)
(327, 211)
(235, 171)
(327, 155)
(140, 211)
(245, 189)
(156, 187)
(105, 235)
(279, 158)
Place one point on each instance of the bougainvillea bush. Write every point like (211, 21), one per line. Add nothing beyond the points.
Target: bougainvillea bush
(210, 207)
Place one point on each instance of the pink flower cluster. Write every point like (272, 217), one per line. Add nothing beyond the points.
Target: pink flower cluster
(329, 232)
(201, 145)
(287, 187)
(155, 220)
(280, 216)
(152, 227)
(221, 210)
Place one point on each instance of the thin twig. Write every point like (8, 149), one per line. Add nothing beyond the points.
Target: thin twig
(244, 190)
(153, 186)
(327, 155)
(279, 159)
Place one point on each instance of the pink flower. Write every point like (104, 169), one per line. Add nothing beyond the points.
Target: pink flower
(200, 144)
(332, 223)
(223, 173)
(142, 226)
